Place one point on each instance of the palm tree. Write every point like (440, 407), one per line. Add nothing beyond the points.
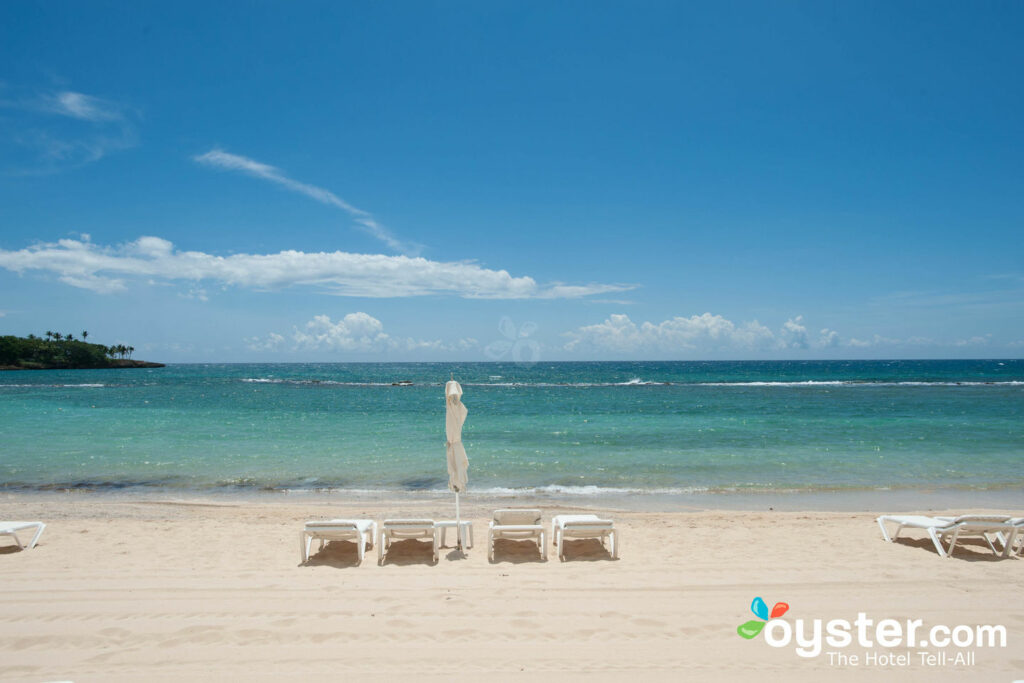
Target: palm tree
(49, 334)
(85, 335)
(131, 350)
(70, 336)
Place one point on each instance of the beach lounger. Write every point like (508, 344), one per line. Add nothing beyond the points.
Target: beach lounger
(583, 526)
(12, 528)
(401, 529)
(362, 531)
(517, 524)
(950, 529)
(1013, 543)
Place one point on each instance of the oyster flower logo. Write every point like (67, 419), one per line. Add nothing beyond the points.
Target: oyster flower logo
(751, 628)
(516, 343)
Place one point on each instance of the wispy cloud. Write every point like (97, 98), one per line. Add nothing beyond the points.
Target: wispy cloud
(355, 332)
(52, 131)
(218, 158)
(81, 106)
(106, 269)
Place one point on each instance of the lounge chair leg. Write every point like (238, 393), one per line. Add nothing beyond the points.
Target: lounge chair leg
(885, 532)
(952, 542)
(302, 547)
(989, 541)
(1009, 542)
(543, 547)
(35, 539)
(937, 540)
(615, 545)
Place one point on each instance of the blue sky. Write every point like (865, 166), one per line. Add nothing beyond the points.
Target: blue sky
(578, 180)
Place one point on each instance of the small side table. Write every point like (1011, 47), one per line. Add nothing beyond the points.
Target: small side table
(465, 530)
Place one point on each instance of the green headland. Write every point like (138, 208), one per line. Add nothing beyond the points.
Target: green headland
(54, 351)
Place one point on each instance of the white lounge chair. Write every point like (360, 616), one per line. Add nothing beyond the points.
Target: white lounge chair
(1013, 543)
(517, 524)
(363, 531)
(401, 529)
(583, 526)
(950, 529)
(12, 528)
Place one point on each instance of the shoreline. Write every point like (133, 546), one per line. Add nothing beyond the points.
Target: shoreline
(878, 501)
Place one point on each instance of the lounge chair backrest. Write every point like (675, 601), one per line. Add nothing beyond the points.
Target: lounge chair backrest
(980, 518)
(333, 524)
(512, 517)
(409, 522)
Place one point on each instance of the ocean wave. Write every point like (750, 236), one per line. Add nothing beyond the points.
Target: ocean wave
(316, 382)
(306, 487)
(591, 490)
(90, 385)
(803, 383)
(860, 383)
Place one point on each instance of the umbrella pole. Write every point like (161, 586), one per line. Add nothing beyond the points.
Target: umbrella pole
(458, 522)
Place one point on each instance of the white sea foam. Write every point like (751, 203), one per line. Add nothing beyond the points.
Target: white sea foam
(858, 383)
(314, 382)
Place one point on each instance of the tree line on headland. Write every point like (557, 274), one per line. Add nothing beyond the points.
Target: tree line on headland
(55, 351)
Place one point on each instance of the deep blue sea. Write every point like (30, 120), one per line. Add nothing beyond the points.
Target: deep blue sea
(645, 427)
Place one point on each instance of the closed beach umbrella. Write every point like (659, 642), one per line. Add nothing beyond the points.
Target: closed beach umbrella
(458, 463)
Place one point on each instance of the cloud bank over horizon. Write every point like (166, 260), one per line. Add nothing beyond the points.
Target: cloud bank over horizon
(712, 333)
(355, 332)
(107, 269)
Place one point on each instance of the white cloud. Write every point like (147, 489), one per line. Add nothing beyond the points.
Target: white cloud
(829, 338)
(234, 162)
(707, 331)
(356, 332)
(879, 340)
(976, 340)
(714, 333)
(106, 269)
(794, 334)
(81, 106)
(54, 131)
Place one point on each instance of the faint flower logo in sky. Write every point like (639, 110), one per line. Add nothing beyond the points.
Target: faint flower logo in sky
(516, 343)
(753, 627)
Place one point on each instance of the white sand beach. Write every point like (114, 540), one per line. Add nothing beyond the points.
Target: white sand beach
(191, 590)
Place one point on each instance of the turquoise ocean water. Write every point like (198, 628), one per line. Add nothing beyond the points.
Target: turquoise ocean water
(625, 427)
